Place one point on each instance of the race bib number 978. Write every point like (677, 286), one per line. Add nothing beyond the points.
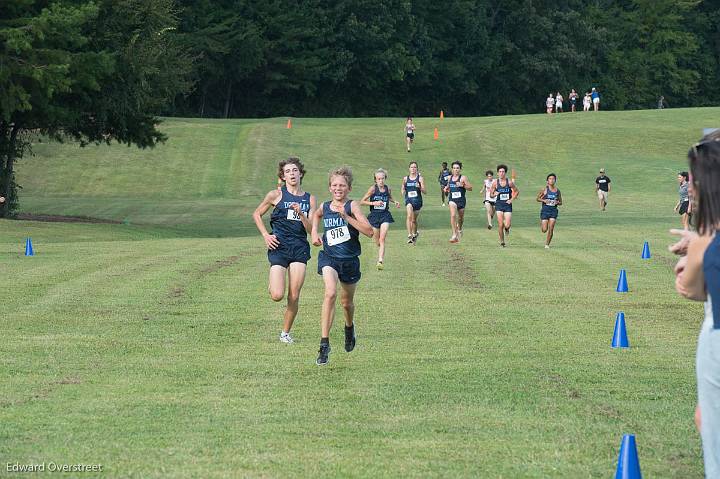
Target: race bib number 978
(336, 236)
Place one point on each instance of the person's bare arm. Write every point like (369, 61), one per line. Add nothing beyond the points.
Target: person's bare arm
(467, 184)
(268, 202)
(359, 222)
(316, 240)
(690, 280)
(422, 183)
(366, 199)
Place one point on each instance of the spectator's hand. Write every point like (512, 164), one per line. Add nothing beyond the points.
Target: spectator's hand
(679, 270)
(680, 248)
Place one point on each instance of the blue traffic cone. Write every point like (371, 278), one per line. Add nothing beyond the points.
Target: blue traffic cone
(620, 339)
(29, 248)
(628, 466)
(622, 286)
(646, 251)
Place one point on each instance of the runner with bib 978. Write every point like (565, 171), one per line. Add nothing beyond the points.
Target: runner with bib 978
(343, 221)
(378, 198)
(550, 198)
(505, 192)
(413, 187)
(288, 247)
(456, 187)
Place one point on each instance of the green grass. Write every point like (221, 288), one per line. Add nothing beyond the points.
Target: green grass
(150, 346)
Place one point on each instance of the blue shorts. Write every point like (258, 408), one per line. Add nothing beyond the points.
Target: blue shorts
(548, 213)
(286, 254)
(503, 207)
(377, 218)
(417, 205)
(460, 202)
(348, 270)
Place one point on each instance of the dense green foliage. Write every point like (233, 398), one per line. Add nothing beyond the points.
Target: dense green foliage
(467, 57)
(84, 71)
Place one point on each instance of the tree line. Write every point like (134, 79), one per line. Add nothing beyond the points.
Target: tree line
(467, 57)
(103, 70)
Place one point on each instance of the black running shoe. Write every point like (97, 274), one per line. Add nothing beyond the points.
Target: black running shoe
(349, 338)
(323, 355)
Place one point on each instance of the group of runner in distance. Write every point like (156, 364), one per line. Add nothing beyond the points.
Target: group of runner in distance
(295, 213)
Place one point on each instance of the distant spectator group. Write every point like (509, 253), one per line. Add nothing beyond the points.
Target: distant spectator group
(555, 103)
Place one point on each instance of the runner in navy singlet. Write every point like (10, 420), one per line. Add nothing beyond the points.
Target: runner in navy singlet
(343, 221)
(504, 191)
(550, 198)
(413, 187)
(288, 247)
(456, 187)
(378, 198)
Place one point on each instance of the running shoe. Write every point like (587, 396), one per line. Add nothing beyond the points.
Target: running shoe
(547, 246)
(507, 231)
(489, 227)
(349, 338)
(380, 265)
(453, 239)
(286, 338)
(323, 355)
(410, 239)
(502, 244)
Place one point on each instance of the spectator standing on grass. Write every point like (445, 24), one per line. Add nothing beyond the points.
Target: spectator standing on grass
(683, 206)
(602, 188)
(573, 97)
(595, 95)
(698, 278)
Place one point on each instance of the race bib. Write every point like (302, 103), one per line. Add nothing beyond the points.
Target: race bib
(336, 236)
(455, 194)
(551, 202)
(504, 196)
(381, 207)
(412, 194)
(292, 215)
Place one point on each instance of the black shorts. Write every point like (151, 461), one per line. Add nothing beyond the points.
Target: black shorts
(548, 213)
(503, 207)
(411, 136)
(459, 202)
(377, 218)
(416, 205)
(348, 270)
(286, 254)
(683, 207)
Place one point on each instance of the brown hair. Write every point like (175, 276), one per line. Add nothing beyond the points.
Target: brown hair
(345, 172)
(293, 160)
(704, 158)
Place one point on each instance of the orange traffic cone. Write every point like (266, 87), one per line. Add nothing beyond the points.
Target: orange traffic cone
(289, 124)
(435, 134)
(442, 115)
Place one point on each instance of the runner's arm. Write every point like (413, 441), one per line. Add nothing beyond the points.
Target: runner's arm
(559, 199)
(515, 191)
(307, 220)
(467, 184)
(540, 195)
(366, 199)
(268, 202)
(317, 214)
(359, 221)
(402, 189)
(422, 183)
(493, 190)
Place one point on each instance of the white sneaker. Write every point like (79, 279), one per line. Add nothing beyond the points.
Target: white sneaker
(547, 246)
(286, 338)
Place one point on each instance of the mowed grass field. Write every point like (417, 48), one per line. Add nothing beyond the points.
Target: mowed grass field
(150, 346)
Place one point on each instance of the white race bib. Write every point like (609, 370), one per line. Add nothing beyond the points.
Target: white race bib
(504, 196)
(551, 202)
(381, 207)
(455, 195)
(338, 235)
(412, 194)
(292, 215)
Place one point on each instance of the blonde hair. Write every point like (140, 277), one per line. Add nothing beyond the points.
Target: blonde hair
(380, 170)
(345, 172)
